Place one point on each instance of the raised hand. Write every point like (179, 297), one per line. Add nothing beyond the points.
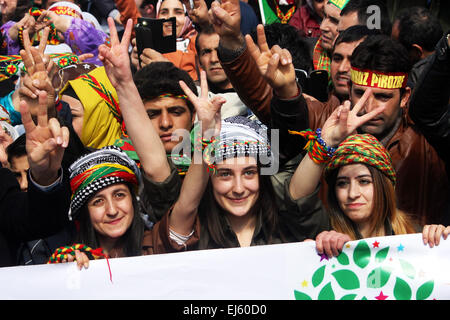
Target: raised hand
(344, 120)
(226, 20)
(38, 75)
(275, 64)
(208, 111)
(45, 142)
(115, 58)
(199, 14)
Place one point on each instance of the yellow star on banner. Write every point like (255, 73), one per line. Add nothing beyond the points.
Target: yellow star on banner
(347, 245)
(304, 283)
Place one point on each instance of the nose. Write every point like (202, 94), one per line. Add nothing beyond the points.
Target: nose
(214, 56)
(165, 121)
(238, 187)
(24, 183)
(324, 25)
(111, 208)
(354, 192)
(344, 67)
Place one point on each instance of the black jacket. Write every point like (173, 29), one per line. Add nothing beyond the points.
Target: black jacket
(27, 215)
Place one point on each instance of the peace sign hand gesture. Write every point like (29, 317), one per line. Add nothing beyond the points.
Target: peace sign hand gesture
(344, 120)
(208, 111)
(45, 142)
(116, 59)
(275, 65)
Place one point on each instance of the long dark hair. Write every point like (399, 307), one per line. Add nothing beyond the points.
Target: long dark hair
(130, 242)
(213, 217)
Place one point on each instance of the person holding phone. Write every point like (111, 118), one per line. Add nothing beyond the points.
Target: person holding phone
(185, 55)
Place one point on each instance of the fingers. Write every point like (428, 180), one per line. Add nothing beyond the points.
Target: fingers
(82, 259)
(58, 133)
(203, 85)
(27, 121)
(431, 234)
(331, 243)
(42, 118)
(262, 41)
(192, 97)
(252, 47)
(43, 40)
(272, 66)
(358, 106)
(113, 32)
(85, 56)
(127, 33)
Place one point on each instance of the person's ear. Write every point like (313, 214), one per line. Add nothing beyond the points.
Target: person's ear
(404, 99)
(416, 53)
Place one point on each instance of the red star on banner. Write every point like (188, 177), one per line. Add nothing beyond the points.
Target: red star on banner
(381, 296)
(376, 244)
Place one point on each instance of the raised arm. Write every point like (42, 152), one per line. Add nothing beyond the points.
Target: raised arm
(338, 126)
(184, 211)
(147, 143)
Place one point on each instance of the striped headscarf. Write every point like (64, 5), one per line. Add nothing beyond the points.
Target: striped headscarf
(98, 170)
(364, 149)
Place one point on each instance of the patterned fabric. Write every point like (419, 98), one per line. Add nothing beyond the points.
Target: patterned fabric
(321, 59)
(362, 148)
(317, 149)
(98, 170)
(239, 136)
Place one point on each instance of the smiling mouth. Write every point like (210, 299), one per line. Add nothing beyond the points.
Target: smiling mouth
(237, 200)
(115, 221)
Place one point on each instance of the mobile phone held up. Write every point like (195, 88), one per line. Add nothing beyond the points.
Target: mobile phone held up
(157, 34)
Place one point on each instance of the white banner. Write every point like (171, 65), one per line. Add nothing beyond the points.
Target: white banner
(385, 268)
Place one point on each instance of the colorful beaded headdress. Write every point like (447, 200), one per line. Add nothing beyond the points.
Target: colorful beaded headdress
(364, 149)
(239, 137)
(98, 170)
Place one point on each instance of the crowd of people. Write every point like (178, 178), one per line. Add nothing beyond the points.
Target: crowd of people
(317, 127)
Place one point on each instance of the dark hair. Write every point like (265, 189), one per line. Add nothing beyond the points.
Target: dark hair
(419, 26)
(381, 53)
(287, 37)
(131, 241)
(159, 78)
(361, 6)
(354, 33)
(265, 206)
(208, 30)
(17, 148)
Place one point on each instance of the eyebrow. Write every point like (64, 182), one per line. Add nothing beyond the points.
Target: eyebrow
(360, 176)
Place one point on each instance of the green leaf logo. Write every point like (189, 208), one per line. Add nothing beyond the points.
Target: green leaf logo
(346, 279)
(301, 296)
(318, 276)
(381, 255)
(349, 297)
(326, 293)
(425, 290)
(378, 277)
(361, 254)
(402, 291)
(342, 258)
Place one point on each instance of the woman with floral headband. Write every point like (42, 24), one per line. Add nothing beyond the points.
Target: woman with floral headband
(361, 181)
